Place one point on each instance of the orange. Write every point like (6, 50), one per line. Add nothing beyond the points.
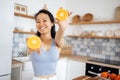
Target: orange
(104, 74)
(62, 14)
(117, 77)
(112, 76)
(33, 42)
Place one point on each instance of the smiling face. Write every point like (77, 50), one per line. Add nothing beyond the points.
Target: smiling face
(43, 23)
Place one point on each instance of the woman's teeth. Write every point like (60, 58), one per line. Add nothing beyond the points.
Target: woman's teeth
(42, 28)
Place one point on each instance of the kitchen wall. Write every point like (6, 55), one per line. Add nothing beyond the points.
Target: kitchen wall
(95, 47)
(102, 10)
(33, 6)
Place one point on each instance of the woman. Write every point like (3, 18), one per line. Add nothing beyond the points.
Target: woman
(44, 60)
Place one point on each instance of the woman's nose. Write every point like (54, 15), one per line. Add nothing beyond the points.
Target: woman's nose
(41, 23)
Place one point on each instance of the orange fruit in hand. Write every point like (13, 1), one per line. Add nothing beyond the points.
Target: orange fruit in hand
(112, 76)
(104, 74)
(33, 42)
(62, 14)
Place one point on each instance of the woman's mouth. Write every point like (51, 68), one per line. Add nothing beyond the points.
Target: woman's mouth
(42, 28)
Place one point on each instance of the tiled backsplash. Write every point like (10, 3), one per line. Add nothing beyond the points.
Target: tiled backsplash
(96, 47)
(19, 44)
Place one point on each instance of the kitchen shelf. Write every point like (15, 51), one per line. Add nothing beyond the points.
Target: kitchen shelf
(23, 32)
(24, 15)
(98, 22)
(76, 36)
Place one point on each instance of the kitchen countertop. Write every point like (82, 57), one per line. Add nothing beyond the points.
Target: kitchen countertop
(72, 57)
(16, 63)
(85, 59)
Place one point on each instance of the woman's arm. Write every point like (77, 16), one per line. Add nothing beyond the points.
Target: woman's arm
(63, 24)
(59, 38)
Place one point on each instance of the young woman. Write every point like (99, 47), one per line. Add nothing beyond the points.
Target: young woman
(45, 58)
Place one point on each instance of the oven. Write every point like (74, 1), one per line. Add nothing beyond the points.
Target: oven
(93, 69)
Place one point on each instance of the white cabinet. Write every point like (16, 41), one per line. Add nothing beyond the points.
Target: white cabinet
(61, 70)
(75, 69)
(27, 73)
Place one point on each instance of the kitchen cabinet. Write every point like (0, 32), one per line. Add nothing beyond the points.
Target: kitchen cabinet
(27, 73)
(16, 72)
(75, 69)
(26, 70)
(61, 69)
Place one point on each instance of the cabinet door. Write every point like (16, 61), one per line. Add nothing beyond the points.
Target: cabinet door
(75, 69)
(61, 69)
(27, 73)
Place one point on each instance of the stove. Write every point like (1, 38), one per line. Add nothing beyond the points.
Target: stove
(106, 61)
(94, 69)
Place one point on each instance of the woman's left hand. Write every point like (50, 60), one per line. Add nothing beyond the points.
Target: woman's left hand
(63, 23)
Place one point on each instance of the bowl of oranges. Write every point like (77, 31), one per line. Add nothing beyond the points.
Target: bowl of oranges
(109, 76)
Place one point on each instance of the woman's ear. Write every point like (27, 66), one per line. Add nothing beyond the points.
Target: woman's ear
(52, 24)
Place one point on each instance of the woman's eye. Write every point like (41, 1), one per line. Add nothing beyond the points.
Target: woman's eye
(44, 20)
(37, 21)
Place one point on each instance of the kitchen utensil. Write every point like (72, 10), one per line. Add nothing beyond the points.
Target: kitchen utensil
(76, 19)
(109, 33)
(33, 42)
(117, 13)
(117, 32)
(87, 17)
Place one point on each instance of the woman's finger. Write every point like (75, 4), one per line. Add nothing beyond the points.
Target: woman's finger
(38, 51)
(69, 13)
(26, 39)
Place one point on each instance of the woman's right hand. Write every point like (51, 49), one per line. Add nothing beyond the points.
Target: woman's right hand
(32, 50)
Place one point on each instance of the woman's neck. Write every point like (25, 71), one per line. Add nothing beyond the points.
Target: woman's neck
(45, 37)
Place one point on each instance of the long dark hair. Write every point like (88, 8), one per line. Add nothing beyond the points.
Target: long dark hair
(51, 19)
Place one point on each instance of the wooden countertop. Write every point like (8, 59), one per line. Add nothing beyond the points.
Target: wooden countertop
(85, 59)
